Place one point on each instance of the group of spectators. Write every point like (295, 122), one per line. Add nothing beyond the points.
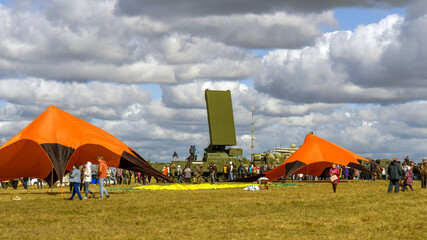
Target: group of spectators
(184, 175)
(26, 182)
(401, 175)
(193, 154)
(230, 172)
(83, 176)
(344, 173)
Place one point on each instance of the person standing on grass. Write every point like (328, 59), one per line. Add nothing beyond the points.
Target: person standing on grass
(169, 171)
(119, 176)
(126, 177)
(25, 182)
(409, 177)
(231, 171)
(187, 174)
(334, 171)
(136, 177)
(75, 180)
(165, 171)
(214, 171)
(210, 169)
(108, 176)
(39, 183)
(87, 179)
(113, 175)
(197, 174)
(423, 172)
(81, 178)
(179, 173)
(102, 174)
(346, 172)
(383, 173)
(395, 174)
(356, 174)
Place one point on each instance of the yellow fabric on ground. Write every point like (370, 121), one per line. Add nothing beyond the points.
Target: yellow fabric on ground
(192, 186)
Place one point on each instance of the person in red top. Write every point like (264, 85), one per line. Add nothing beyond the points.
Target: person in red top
(334, 171)
(102, 174)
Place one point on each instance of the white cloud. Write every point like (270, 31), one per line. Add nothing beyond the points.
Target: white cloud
(98, 45)
(30, 96)
(63, 52)
(373, 64)
(276, 30)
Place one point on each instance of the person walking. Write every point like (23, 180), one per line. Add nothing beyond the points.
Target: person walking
(395, 174)
(334, 173)
(409, 177)
(356, 174)
(87, 179)
(81, 178)
(75, 181)
(102, 174)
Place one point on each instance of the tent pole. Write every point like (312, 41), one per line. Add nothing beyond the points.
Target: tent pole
(51, 181)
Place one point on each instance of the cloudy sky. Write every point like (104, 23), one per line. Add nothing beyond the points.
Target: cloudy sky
(354, 72)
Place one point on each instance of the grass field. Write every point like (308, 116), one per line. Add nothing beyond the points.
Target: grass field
(359, 210)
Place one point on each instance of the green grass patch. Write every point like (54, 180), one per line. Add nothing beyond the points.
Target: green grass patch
(359, 210)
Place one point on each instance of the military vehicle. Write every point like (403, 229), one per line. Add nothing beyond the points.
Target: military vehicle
(221, 130)
(277, 157)
(383, 162)
(222, 137)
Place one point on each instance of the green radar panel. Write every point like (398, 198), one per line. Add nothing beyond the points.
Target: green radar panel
(220, 118)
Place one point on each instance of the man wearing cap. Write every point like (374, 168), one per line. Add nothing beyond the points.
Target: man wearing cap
(395, 173)
(423, 171)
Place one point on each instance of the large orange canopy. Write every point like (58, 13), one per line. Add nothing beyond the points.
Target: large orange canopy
(313, 157)
(56, 140)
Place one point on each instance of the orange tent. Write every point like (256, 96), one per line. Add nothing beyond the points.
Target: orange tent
(313, 157)
(56, 140)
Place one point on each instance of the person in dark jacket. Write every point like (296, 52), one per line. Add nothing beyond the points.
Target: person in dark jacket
(395, 174)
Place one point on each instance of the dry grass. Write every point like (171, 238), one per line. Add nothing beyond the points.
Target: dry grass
(360, 210)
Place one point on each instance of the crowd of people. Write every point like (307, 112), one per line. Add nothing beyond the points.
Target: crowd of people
(81, 177)
(400, 174)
